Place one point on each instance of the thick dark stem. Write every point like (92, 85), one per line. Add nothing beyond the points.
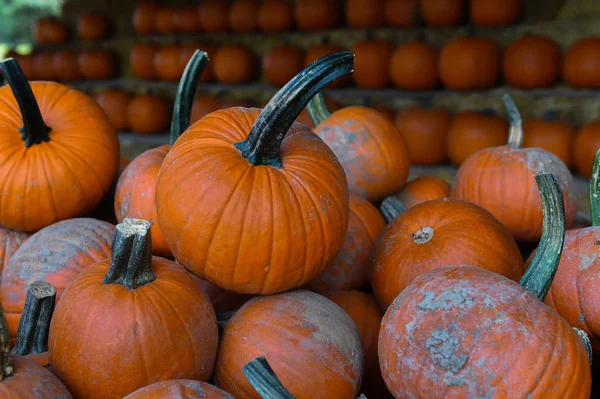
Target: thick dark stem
(6, 368)
(317, 109)
(595, 191)
(391, 208)
(34, 130)
(185, 94)
(262, 377)
(131, 255)
(261, 147)
(587, 344)
(32, 336)
(515, 134)
(538, 277)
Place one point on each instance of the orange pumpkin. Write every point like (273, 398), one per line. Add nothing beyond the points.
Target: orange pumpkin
(472, 131)
(586, 144)
(163, 20)
(167, 63)
(275, 16)
(401, 14)
(243, 15)
(179, 389)
(144, 16)
(26, 62)
(92, 26)
(234, 64)
(581, 64)
(64, 66)
(141, 60)
(43, 65)
(267, 219)
(372, 65)
(365, 13)
(442, 13)
(97, 64)
(425, 132)
(54, 254)
(556, 137)
(368, 145)
(49, 30)
(281, 64)
(423, 189)
(185, 20)
(40, 122)
(317, 14)
(148, 114)
(106, 210)
(501, 180)
(281, 327)
(495, 12)
(320, 51)
(385, 111)
(133, 285)
(188, 50)
(213, 16)
(414, 66)
(531, 62)
(10, 241)
(202, 106)
(115, 102)
(469, 63)
(349, 269)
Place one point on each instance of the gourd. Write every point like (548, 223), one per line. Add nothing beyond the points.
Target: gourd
(414, 66)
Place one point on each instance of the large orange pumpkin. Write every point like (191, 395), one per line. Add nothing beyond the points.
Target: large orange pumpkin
(243, 15)
(349, 270)
(10, 241)
(179, 389)
(141, 60)
(55, 254)
(364, 14)
(167, 63)
(213, 16)
(317, 14)
(469, 63)
(414, 66)
(115, 103)
(587, 142)
(472, 131)
(49, 30)
(581, 64)
(140, 329)
(495, 12)
(531, 62)
(425, 132)
(144, 16)
(423, 189)
(442, 13)
(148, 114)
(185, 20)
(234, 64)
(320, 51)
(248, 150)
(372, 66)
(275, 16)
(45, 122)
(283, 328)
(401, 14)
(554, 136)
(97, 64)
(64, 66)
(92, 26)
(281, 64)
(368, 145)
(501, 180)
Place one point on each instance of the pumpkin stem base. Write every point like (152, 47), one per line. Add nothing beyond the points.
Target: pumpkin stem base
(32, 336)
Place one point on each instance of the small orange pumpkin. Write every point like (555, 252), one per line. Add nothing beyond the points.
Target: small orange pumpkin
(531, 62)
(97, 64)
(185, 20)
(202, 106)
(581, 64)
(469, 63)
(234, 64)
(414, 66)
(372, 65)
(423, 189)
(49, 30)
(163, 20)
(43, 65)
(243, 15)
(587, 142)
(115, 102)
(167, 63)
(65, 67)
(213, 16)
(141, 60)
(148, 114)
(557, 137)
(401, 14)
(144, 16)
(26, 62)
(317, 14)
(363, 14)
(281, 64)
(275, 16)
(442, 13)
(495, 12)
(92, 26)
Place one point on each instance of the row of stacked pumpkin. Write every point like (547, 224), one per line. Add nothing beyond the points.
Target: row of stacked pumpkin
(272, 228)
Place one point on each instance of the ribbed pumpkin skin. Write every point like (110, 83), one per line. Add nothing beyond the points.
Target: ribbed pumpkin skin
(422, 189)
(60, 179)
(55, 254)
(134, 197)
(349, 269)
(502, 180)
(463, 233)
(10, 241)
(300, 333)
(466, 332)
(32, 381)
(179, 389)
(288, 223)
(167, 328)
(371, 150)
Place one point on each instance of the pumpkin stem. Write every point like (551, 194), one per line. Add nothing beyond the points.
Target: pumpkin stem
(261, 147)
(6, 368)
(538, 277)
(317, 109)
(185, 94)
(34, 130)
(32, 336)
(131, 255)
(515, 133)
(585, 340)
(595, 191)
(391, 208)
(262, 377)
(223, 318)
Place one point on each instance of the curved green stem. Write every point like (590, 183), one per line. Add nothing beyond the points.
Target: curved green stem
(262, 377)
(538, 277)
(261, 147)
(391, 208)
(595, 191)
(587, 344)
(34, 130)
(131, 264)
(32, 336)
(317, 109)
(6, 368)
(185, 94)
(515, 134)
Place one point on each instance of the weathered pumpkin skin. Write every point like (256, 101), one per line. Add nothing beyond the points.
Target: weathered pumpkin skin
(107, 330)
(463, 233)
(60, 179)
(179, 389)
(349, 269)
(32, 381)
(10, 241)
(300, 333)
(55, 254)
(371, 150)
(292, 229)
(466, 332)
(423, 189)
(134, 197)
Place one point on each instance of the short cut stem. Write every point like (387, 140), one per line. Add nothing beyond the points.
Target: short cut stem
(515, 133)
(32, 335)
(262, 377)
(391, 208)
